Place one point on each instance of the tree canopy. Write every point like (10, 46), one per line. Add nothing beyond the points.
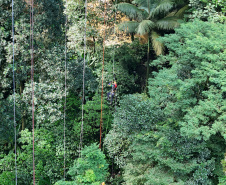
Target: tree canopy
(166, 124)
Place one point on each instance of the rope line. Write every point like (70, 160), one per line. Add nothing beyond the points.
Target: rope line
(114, 54)
(14, 97)
(83, 85)
(65, 92)
(32, 83)
(102, 92)
(114, 45)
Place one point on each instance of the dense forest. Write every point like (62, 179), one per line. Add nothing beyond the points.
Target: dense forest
(63, 119)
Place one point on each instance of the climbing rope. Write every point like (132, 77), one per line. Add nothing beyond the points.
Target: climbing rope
(14, 97)
(114, 45)
(65, 91)
(83, 85)
(114, 53)
(102, 92)
(32, 82)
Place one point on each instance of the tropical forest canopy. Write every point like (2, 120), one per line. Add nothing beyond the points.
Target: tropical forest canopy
(166, 123)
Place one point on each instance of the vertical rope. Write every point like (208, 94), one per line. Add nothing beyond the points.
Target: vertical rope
(65, 91)
(114, 54)
(114, 45)
(14, 97)
(32, 83)
(102, 92)
(83, 79)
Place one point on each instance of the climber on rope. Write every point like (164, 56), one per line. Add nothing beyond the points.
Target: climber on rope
(111, 94)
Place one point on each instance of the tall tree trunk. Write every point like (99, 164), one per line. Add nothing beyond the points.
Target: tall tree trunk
(132, 37)
(94, 46)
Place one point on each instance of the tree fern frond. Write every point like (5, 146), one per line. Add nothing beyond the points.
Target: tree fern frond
(157, 45)
(145, 26)
(168, 23)
(180, 13)
(142, 3)
(130, 10)
(163, 6)
(171, 14)
(128, 26)
(145, 9)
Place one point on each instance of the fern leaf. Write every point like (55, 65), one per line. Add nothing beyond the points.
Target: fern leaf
(130, 10)
(145, 26)
(168, 23)
(157, 45)
(163, 6)
(180, 13)
(128, 26)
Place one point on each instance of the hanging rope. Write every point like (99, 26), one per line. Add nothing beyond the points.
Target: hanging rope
(114, 45)
(65, 91)
(83, 85)
(102, 92)
(14, 97)
(32, 82)
(114, 54)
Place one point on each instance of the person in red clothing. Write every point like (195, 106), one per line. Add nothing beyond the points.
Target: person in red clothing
(111, 94)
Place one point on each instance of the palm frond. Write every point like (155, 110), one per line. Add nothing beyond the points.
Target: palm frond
(157, 45)
(171, 13)
(180, 13)
(145, 26)
(128, 26)
(142, 3)
(130, 10)
(168, 23)
(163, 6)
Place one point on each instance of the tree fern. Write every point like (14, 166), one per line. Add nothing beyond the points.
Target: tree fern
(145, 26)
(150, 16)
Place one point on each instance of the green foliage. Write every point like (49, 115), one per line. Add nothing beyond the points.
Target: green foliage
(191, 92)
(149, 16)
(194, 86)
(91, 168)
(155, 153)
(222, 179)
(214, 10)
(91, 128)
(131, 11)
(140, 115)
(65, 183)
(186, 142)
(76, 21)
(7, 178)
(175, 135)
(129, 67)
(48, 160)
(163, 156)
(7, 120)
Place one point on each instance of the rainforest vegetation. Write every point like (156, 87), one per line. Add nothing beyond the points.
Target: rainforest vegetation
(165, 125)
